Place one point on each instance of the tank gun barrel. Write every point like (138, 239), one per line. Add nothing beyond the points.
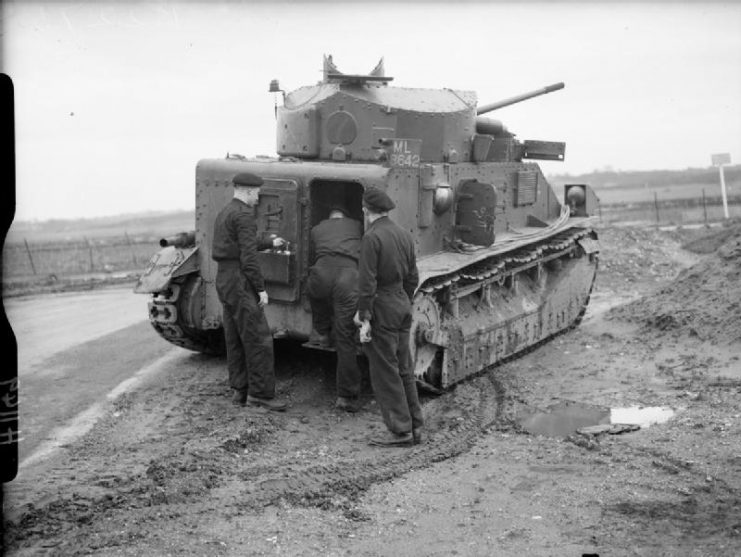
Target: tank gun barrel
(180, 240)
(519, 98)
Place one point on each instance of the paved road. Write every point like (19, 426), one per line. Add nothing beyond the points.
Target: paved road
(47, 324)
(77, 351)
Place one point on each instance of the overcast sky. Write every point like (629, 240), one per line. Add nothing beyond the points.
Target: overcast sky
(116, 102)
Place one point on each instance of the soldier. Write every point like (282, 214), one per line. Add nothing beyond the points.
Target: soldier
(241, 290)
(388, 277)
(333, 293)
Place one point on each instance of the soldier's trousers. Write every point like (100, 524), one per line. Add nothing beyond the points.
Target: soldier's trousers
(333, 292)
(391, 367)
(249, 342)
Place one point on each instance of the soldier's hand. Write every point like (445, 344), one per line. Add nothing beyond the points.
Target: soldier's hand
(278, 242)
(263, 299)
(365, 332)
(356, 319)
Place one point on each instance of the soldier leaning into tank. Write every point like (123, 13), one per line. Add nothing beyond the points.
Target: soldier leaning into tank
(333, 292)
(241, 290)
(388, 277)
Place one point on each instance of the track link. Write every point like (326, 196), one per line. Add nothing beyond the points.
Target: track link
(169, 315)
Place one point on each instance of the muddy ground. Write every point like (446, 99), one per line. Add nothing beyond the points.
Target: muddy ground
(174, 469)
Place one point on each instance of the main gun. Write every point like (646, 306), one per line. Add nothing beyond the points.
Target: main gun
(519, 98)
(529, 149)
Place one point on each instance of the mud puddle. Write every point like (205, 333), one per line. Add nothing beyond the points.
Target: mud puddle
(567, 417)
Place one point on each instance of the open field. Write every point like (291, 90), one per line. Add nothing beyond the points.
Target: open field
(646, 193)
(68, 254)
(152, 225)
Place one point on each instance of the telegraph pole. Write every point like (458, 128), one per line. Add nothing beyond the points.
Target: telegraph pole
(719, 160)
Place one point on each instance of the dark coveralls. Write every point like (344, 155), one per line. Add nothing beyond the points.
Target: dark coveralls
(249, 342)
(388, 277)
(333, 290)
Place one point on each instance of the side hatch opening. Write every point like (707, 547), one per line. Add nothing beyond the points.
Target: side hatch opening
(325, 193)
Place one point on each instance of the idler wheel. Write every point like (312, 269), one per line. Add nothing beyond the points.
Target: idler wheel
(425, 326)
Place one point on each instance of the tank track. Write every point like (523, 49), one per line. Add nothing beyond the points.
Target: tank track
(169, 315)
(493, 273)
(514, 262)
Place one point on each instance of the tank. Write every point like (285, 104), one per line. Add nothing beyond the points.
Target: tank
(504, 264)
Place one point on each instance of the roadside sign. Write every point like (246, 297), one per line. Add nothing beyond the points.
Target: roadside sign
(721, 158)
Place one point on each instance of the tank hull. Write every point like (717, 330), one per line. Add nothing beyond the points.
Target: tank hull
(490, 287)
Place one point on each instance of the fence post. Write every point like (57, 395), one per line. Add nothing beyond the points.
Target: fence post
(30, 257)
(90, 250)
(704, 207)
(131, 248)
(656, 207)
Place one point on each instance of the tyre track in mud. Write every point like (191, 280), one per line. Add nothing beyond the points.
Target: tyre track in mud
(479, 401)
(179, 477)
(199, 466)
(315, 485)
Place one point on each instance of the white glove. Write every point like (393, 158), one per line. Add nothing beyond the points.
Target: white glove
(356, 319)
(365, 327)
(365, 332)
(277, 241)
(263, 299)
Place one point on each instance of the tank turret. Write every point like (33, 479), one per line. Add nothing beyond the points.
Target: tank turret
(356, 118)
(353, 117)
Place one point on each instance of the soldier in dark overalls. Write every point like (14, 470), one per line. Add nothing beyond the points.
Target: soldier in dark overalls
(333, 292)
(241, 289)
(388, 277)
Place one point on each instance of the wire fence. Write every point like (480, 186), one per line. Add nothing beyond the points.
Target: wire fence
(671, 211)
(85, 256)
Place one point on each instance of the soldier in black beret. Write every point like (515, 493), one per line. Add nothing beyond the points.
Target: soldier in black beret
(247, 179)
(241, 290)
(377, 201)
(388, 278)
(332, 286)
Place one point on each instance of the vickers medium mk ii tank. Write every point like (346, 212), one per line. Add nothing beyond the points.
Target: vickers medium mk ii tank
(503, 264)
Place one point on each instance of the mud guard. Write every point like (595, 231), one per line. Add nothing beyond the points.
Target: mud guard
(168, 263)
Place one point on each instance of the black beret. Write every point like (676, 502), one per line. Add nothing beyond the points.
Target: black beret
(377, 201)
(247, 179)
(339, 207)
